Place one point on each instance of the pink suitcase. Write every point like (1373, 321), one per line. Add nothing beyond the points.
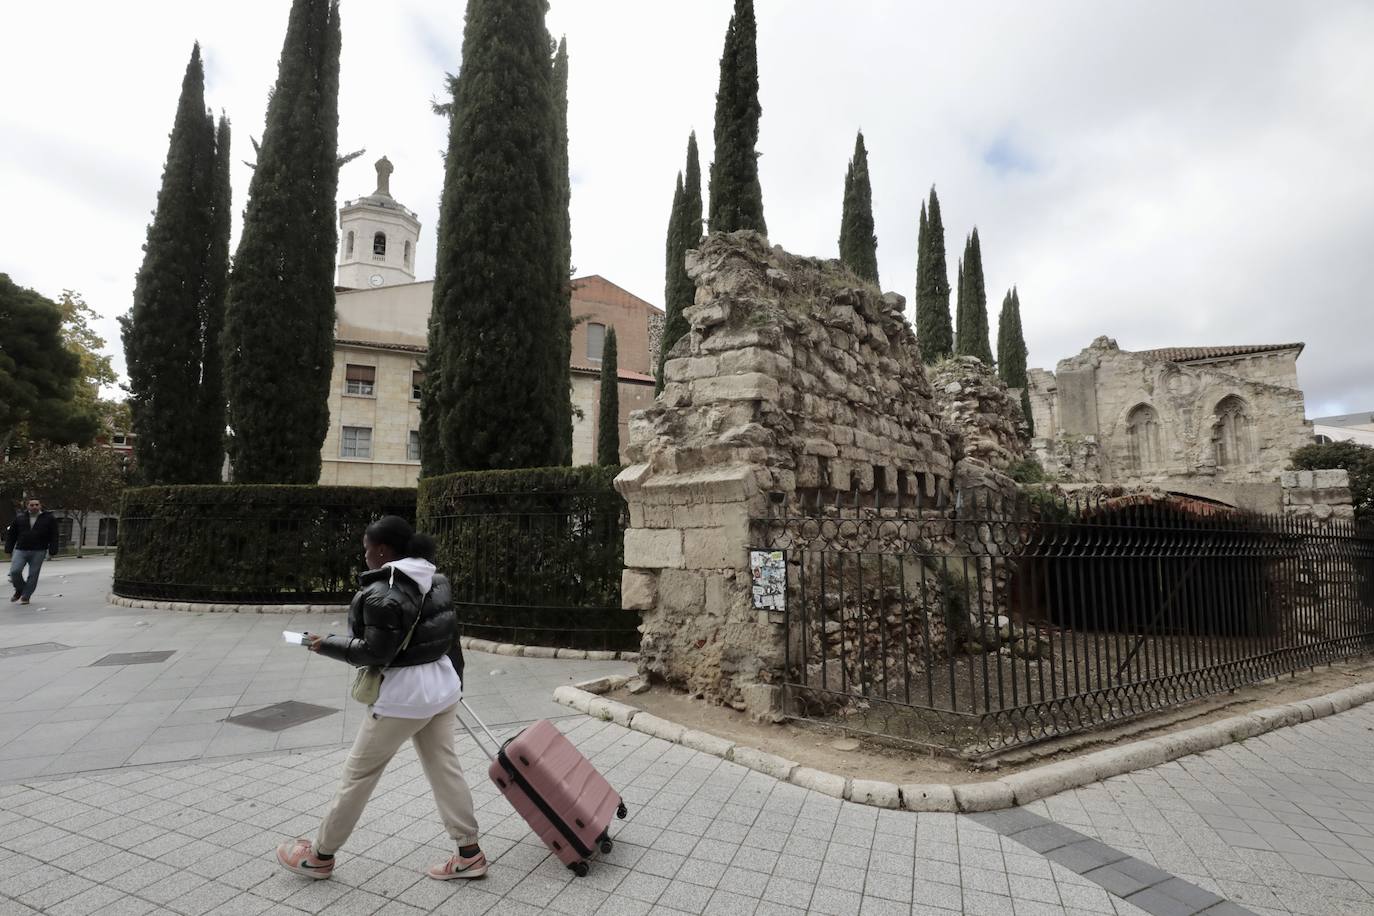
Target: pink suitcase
(558, 792)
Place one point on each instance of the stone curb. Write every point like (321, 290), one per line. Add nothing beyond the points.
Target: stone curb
(468, 642)
(1006, 792)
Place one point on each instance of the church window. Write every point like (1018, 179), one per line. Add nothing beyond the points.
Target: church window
(1142, 438)
(356, 442)
(348, 244)
(413, 446)
(360, 380)
(417, 384)
(407, 253)
(596, 341)
(379, 246)
(1233, 433)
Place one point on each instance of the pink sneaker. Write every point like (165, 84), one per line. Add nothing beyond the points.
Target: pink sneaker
(459, 867)
(299, 856)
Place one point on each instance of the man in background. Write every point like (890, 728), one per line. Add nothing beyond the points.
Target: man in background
(31, 538)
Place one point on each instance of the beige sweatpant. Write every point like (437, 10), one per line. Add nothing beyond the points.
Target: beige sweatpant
(378, 741)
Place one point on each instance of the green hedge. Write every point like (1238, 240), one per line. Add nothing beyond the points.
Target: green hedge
(535, 555)
(248, 544)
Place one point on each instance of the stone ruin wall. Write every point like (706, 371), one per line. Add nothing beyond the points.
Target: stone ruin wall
(980, 410)
(1083, 412)
(797, 383)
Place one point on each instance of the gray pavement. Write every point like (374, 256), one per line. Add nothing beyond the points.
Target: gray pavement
(1279, 824)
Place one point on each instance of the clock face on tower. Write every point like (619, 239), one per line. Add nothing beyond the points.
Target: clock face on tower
(376, 280)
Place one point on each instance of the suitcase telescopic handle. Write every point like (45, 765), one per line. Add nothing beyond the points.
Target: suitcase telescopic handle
(494, 740)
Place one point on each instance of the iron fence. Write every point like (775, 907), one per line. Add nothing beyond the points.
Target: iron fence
(987, 623)
(537, 567)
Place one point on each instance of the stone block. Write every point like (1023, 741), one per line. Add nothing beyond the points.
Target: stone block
(747, 386)
(540, 652)
(983, 796)
(1335, 478)
(572, 653)
(1043, 781)
(686, 369)
(638, 590)
(650, 548)
(764, 762)
(602, 685)
(762, 702)
(755, 359)
(481, 645)
(619, 713)
(928, 797)
(874, 792)
(656, 727)
(715, 548)
(505, 648)
(681, 591)
(832, 784)
(707, 743)
(601, 655)
(572, 697)
(1137, 755)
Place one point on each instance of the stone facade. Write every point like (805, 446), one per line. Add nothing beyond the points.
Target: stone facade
(1320, 496)
(981, 410)
(1219, 424)
(797, 383)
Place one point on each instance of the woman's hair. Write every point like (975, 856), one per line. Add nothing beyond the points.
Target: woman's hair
(396, 533)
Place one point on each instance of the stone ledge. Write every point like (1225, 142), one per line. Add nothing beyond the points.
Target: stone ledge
(1008, 792)
(467, 642)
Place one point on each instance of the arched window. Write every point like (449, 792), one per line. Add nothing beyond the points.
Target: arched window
(1142, 438)
(379, 245)
(407, 252)
(1232, 434)
(348, 244)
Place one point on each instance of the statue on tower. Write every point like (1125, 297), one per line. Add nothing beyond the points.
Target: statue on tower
(384, 170)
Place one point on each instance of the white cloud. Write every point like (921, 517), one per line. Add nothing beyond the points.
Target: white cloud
(1167, 173)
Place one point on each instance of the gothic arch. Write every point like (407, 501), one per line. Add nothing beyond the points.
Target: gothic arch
(1233, 434)
(379, 245)
(1143, 450)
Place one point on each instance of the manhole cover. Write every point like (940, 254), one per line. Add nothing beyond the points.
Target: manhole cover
(281, 716)
(134, 658)
(37, 648)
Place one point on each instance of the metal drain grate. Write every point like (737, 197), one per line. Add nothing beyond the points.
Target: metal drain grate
(37, 648)
(134, 658)
(281, 716)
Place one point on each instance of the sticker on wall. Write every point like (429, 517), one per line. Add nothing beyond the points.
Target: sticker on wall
(768, 570)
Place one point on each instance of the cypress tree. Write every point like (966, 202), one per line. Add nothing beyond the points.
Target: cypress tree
(608, 417)
(684, 234)
(971, 337)
(1011, 350)
(210, 419)
(736, 196)
(175, 288)
(279, 317)
(858, 243)
(934, 332)
(564, 264)
(498, 292)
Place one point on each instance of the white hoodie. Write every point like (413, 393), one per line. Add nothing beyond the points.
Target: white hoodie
(417, 691)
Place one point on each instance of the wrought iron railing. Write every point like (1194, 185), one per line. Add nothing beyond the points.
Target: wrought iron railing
(974, 624)
(537, 567)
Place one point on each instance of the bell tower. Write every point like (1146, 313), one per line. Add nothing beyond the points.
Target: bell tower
(377, 237)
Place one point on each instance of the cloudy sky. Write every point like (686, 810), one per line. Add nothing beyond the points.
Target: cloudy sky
(1167, 173)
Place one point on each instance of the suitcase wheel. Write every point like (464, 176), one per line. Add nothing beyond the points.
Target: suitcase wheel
(621, 811)
(579, 869)
(607, 846)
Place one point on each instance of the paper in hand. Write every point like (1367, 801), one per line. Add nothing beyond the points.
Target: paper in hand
(295, 639)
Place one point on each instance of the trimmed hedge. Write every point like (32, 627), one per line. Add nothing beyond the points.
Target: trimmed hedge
(248, 544)
(534, 555)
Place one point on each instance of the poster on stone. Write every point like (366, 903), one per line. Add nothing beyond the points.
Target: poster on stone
(769, 572)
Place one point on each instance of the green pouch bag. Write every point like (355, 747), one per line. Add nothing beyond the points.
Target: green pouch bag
(367, 681)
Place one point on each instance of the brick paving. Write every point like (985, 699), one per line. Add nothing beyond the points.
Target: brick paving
(1281, 824)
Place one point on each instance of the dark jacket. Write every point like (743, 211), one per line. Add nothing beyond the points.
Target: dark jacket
(382, 613)
(42, 535)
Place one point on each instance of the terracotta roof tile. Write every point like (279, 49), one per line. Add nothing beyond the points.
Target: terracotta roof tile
(1189, 354)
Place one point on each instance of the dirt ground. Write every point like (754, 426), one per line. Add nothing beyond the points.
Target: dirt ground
(828, 749)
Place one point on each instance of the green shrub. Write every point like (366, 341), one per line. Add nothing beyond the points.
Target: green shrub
(534, 555)
(248, 543)
(1028, 471)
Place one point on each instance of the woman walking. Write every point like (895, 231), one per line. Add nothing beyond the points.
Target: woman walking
(402, 622)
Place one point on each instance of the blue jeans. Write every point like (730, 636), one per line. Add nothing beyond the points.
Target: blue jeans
(33, 559)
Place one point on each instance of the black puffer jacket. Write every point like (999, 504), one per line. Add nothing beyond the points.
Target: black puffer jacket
(382, 613)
